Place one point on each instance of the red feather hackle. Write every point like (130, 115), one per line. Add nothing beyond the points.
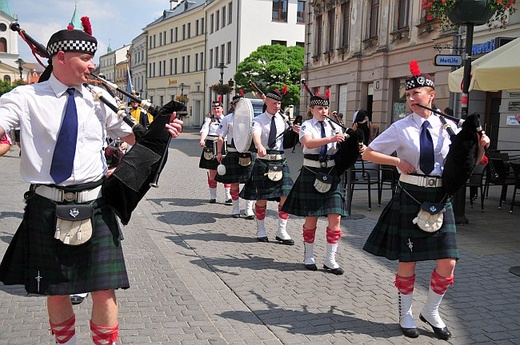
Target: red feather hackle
(219, 99)
(284, 90)
(85, 22)
(414, 68)
(241, 92)
(327, 93)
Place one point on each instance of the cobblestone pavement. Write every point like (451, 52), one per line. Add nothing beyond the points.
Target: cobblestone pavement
(199, 277)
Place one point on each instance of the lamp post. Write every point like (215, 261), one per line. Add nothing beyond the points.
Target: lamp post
(20, 67)
(221, 67)
(182, 92)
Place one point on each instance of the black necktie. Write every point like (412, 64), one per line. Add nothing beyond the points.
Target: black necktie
(323, 148)
(426, 155)
(271, 142)
(65, 149)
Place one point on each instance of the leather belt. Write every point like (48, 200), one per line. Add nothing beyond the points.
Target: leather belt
(317, 164)
(60, 195)
(421, 181)
(272, 157)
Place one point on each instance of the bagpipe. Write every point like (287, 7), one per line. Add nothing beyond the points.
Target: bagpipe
(463, 153)
(290, 137)
(348, 150)
(140, 168)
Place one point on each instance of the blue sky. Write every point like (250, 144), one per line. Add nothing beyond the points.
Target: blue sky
(114, 22)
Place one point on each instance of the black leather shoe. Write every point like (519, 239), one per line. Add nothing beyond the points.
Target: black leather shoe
(235, 215)
(212, 201)
(442, 333)
(262, 239)
(288, 242)
(311, 267)
(337, 271)
(77, 299)
(410, 332)
(229, 201)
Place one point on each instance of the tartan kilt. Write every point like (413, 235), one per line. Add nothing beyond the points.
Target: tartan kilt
(260, 187)
(304, 200)
(397, 238)
(33, 252)
(210, 164)
(234, 171)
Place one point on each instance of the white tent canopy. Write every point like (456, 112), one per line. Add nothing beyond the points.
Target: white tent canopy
(495, 71)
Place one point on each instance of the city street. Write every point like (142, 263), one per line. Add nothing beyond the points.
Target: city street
(198, 276)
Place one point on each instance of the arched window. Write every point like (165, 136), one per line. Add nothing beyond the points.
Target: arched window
(7, 79)
(3, 45)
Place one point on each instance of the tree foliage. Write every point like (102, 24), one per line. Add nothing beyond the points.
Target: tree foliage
(272, 66)
(6, 87)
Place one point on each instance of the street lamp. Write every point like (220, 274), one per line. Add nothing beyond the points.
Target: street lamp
(182, 89)
(221, 67)
(20, 67)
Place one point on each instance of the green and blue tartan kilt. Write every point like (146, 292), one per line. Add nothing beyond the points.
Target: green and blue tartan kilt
(397, 238)
(260, 187)
(46, 266)
(304, 200)
(234, 171)
(210, 164)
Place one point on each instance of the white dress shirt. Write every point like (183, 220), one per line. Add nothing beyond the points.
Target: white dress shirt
(38, 109)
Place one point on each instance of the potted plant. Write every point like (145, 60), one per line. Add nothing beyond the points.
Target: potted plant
(221, 89)
(477, 12)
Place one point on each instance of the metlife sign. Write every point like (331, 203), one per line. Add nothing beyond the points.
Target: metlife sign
(448, 60)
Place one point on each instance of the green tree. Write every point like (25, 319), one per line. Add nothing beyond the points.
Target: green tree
(272, 66)
(6, 87)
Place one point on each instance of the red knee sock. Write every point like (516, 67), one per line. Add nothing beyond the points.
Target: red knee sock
(103, 335)
(234, 194)
(333, 236)
(405, 285)
(440, 284)
(309, 235)
(260, 212)
(212, 183)
(282, 214)
(64, 331)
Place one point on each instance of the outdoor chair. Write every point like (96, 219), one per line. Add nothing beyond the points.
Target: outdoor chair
(476, 183)
(366, 175)
(516, 170)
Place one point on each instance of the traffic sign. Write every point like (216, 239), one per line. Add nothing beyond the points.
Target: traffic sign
(448, 60)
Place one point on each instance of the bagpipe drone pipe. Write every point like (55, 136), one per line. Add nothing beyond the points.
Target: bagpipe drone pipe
(141, 166)
(348, 150)
(464, 150)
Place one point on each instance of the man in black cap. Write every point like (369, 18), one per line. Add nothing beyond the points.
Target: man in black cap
(238, 164)
(270, 178)
(63, 130)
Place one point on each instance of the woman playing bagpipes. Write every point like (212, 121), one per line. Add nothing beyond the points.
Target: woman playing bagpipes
(422, 146)
(317, 191)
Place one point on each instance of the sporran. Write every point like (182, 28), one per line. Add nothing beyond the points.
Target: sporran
(322, 182)
(430, 216)
(73, 223)
(275, 171)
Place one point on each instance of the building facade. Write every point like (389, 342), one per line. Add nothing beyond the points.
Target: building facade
(197, 44)
(360, 51)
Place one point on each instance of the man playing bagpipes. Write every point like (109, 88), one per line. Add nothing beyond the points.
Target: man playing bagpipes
(418, 224)
(271, 177)
(238, 165)
(69, 240)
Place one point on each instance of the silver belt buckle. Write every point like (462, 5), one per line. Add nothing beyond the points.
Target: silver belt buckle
(69, 196)
(323, 164)
(431, 181)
